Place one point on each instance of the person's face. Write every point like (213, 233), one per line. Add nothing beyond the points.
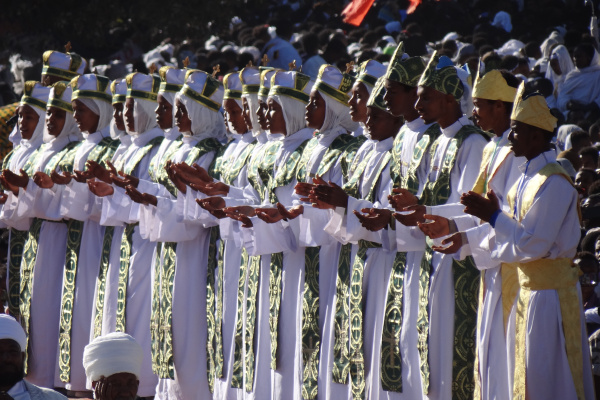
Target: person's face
(597, 249)
(583, 181)
(381, 124)
(261, 113)
(483, 113)
(555, 65)
(49, 80)
(12, 362)
(87, 120)
(55, 120)
(581, 58)
(121, 386)
(275, 118)
(247, 113)
(587, 162)
(235, 116)
(430, 104)
(28, 120)
(182, 119)
(129, 119)
(118, 116)
(520, 137)
(358, 102)
(164, 113)
(399, 100)
(315, 110)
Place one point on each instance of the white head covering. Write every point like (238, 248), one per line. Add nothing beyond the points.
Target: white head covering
(233, 90)
(502, 20)
(560, 53)
(250, 78)
(202, 96)
(334, 88)
(143, 89)
(36, 96)
(94, 91)
(60, 97)
(291, 90)
(11, 329)
(66, 66)
(466, 101)
(369, 72)
(172, 80)
(119, 93)
(112, 354)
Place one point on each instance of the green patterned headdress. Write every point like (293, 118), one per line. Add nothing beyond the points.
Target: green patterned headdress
(91, 86)
(441, 75)
(65, 66)
(35, 95)
(142, 86)
(60, 96)
(292, 84)
(404, 69)
(171, 79)
(203, 88)
(376, 97)
(233, 86)
(369, 71)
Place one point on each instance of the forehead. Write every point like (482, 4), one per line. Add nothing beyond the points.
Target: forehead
(26, 109)
(9, 344)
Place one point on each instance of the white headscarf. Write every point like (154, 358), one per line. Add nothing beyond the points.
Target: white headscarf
(11, 329)
(102, 109)
(566, 65)
(112, 354)
(293, 113)
(337, 114)
(69, 133)
(204, 120)
(143, 115)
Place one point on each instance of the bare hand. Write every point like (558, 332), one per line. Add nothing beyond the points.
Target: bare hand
(211, 189)
(269, 215)
(402, 198)
(13, 179)
(191, 174)
(212, 203)
(413, 218)
(247, 211)
(3, 198)
(374, 219)
(100, 172)
(330, 194)
(292, 213)
(455, 242)
(63, 178)
(43, 180)
(215, 212)
(244, 219)
(100, 189)
(122, 180)
(82, 176)
(135, 195)
(436, 227)
(303, 189)
(480, 207)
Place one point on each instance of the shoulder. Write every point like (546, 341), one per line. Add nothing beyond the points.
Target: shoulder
(39, 393)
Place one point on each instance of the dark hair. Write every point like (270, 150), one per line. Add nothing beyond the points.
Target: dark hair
(587, 255)
(594, 188)
(588, 243)
(578, 136)
(590, 151)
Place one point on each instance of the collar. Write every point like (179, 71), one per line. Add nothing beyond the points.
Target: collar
(415, 124)
(17, 389)
(262, 137)
(247, 137)
(196, 138)
(538, 163)
(144, 138)
(502, 140)
(384, 145)
(455, 127)
(300, 136)
(172, 133)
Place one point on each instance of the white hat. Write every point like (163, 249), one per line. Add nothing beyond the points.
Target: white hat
(112, 354)
(333, 83)
(142, 86)
(118, 88)
(233, 86)
(204, 89)
(265, 82)
(369, 72)
(66, 66)
(291, 84)
(250, 78)
(172, 79)
(35, 95)
(91, 86)
(60, 96)
(11, 329)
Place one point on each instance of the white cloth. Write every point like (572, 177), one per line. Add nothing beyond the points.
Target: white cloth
(565, 62)
(114, 353)
(582, 85)
(11, 329)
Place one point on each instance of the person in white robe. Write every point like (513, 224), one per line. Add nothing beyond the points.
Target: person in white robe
(454, 167)
(547, 340)
(561, 65)
(45, 249)
(582, 85)
(133, 288)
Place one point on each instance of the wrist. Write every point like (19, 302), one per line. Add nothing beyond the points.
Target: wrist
(494, 217)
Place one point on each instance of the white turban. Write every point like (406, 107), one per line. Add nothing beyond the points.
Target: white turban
(11, 329)
(112, 354)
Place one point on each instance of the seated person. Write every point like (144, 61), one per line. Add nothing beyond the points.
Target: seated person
(12, 367)
(113, 364)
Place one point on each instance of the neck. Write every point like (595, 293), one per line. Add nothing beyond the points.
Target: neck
(533, 153)
(450, 118)
(500, 127)
(411, 115)
(7, 387)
